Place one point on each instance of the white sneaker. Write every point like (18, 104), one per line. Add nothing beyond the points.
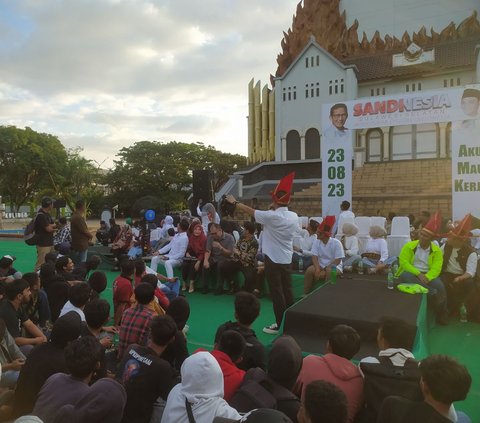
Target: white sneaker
(271, 330)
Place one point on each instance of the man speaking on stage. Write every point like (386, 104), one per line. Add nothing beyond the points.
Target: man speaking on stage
(279, 227)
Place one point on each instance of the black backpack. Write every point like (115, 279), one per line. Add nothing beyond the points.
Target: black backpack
(29, 235)
(384, 379)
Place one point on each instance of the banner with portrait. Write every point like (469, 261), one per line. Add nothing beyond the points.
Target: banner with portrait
(458, 105)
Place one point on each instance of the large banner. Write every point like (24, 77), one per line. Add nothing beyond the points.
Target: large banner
(459, 105)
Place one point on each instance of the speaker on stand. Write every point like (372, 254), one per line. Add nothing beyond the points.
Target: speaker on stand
(203, 188)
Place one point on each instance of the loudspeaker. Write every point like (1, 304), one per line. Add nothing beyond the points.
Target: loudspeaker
(203, 185)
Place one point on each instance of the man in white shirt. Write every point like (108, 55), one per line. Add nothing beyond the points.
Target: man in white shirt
(346, 215)
(338, 117)
(459, 266)
(172, 254)
(279, 227)
(327, 253)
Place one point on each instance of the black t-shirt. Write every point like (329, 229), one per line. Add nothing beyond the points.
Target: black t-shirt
(14, 319)
(401, 410)
(254, 355)
(44, 238)
(146, 377)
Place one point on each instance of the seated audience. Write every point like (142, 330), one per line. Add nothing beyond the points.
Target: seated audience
(259, 415)
(148, 378)
(122, 290)
(247, 309)
(104, 402)
(459, 266)
(37, 310)
(193, 262)
(140, 271)
(171, 255)
(44, 361)
(443, 381)
(6, 267)
(57, 289)
(199, 393)
(219, 248)
(375, 258)
(243, 259)
(102, 234)
(98, 283)
(323, 403)
(274, 388)
(82, 358)
(160, 302)
(121, 244)
(177, 351)
(327, 252)
(11, 311)
(11, 358)
(335, 367)
(114, 230)
(135, 322)
(64, 268)
(62, 240)
(349, 242)
(78, 296)
(97, 315)
(228, 352)
(305, 250)
(421, 263)
(83, 271)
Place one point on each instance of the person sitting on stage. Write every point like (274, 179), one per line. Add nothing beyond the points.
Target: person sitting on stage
(393, 340)
(443, 381)
(327, 253)
(349, 242)
(102, 233)
(243, 259)
(192, 265)
(375, 258)
(114, 230)
(247, 309)
(122, 243)
(421, 262)
(229, 352)
(459, 266)
(305, 250)
(208, 214)
(335, 367)
(219, 248)
(323, 403)
(62, 240)
(171, 255)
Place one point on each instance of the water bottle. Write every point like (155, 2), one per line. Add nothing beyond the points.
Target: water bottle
(333, 275)
(300, 264)
(390, 279)
(360, 267)
(463, 313)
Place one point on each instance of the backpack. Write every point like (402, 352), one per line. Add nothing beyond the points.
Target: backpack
(29, 235)
(384, 379)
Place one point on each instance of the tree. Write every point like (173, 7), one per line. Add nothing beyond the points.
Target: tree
(28, 160)
(164, 170)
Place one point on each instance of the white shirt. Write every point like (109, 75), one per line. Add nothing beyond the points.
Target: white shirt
(177, 247)
(332, 132)
(378, 246)
(351, 245)
(70, 307)
(326, 253)
(205, 220)
(453, 266)
(307, 245)
(420, 261)
(279, 228)
(155, 234)
(398, 356)
(476, 239)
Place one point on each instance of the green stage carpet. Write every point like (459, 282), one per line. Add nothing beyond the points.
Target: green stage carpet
(461, 340)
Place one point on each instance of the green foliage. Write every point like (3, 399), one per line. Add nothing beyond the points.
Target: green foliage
(164, 170)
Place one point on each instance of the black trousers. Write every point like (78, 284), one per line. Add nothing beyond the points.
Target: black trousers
(188, 270)
(457, 293)
(228, 268)
(280, 285)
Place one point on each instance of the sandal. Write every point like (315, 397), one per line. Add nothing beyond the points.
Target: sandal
(191, 287)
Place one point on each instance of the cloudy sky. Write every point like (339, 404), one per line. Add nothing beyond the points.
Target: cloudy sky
(103, 74)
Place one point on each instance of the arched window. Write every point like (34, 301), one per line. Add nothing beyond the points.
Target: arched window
(374, 145)
(312, 144)
(293, 145)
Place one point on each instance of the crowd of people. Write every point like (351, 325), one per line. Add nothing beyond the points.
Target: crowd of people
(62, 360)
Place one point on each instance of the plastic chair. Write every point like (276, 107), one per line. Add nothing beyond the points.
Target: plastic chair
(400, 226)
(378, 221)
(342, 221)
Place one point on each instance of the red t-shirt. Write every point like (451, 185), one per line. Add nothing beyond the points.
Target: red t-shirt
(122, 290)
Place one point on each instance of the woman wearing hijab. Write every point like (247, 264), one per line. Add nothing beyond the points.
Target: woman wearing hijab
(192, 263)
(200, 393)
(177, 351)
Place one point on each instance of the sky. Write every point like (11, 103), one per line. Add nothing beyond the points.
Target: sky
(103, 74)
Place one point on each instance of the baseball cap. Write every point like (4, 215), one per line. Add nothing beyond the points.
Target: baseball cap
(259, 415)
(7, 260)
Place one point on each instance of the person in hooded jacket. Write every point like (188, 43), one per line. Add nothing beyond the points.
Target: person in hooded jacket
(45, 360)
(335, 367)
(274, 388)
(201, 392)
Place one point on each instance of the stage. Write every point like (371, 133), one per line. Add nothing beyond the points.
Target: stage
(359, 301)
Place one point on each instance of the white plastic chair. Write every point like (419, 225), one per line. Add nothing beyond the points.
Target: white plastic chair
(342, 221)
(378, 221)
(363, 223)
(400, 226)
